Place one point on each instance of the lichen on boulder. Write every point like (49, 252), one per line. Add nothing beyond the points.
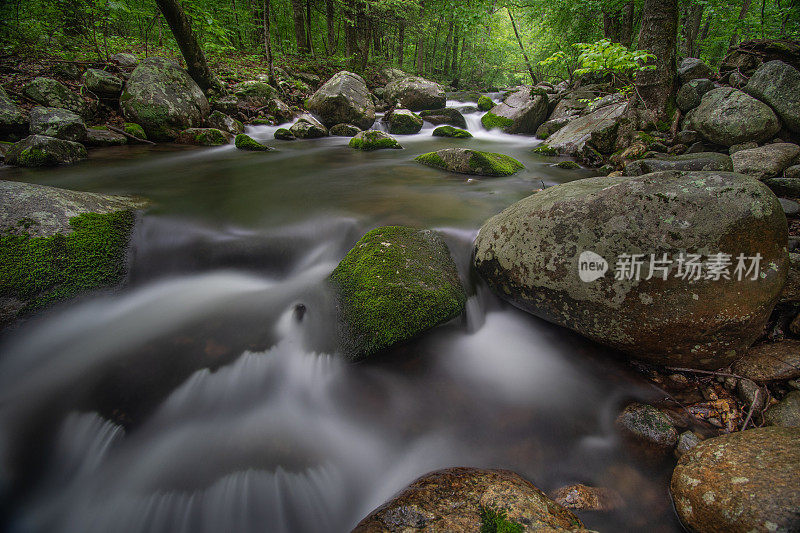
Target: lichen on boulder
(465, 161)
(43, 151)
(394, 284)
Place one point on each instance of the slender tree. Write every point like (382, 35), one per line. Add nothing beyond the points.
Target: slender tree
(655, 87)
(522, 48)
(300, 34)
(181, 28)
(268, 44)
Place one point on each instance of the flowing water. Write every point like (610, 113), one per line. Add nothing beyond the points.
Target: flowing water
(205, 395)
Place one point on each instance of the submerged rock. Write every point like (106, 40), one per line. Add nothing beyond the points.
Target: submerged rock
(56, 244)
(43, 151)
(394, 284)
(163, 99)
(48, 92)
(245, 142)
(470, 499)
(696, 161)
(446, 115)
(373, 140)
(465, 161)
(343, 99)
(204, 137)
(307, 127)
(728, 116)
(767, 161)
(741, 482)
(13, 122)
(450, 131)
(404, 122)
(647, 425)
(521, 112)
(770, 361)
(558, 254)
(416, 94)
(58, 123)
(345, 130)
(778, 84)
(584, 498)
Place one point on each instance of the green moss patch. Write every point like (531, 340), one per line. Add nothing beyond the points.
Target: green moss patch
(485, 103)
(543, 149)
(245, 142)
(394, 284)
(431, 159)
(491, 121)
(373, 140)
(496, 521)
(284, 135)
(450, 131)
(490, 164)
(134, 129)
(43, 270)
(568, 165)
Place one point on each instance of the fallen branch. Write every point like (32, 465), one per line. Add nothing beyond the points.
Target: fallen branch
(128, 135)
(711, 372)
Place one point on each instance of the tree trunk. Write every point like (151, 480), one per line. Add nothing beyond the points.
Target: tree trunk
(611, 25)
(522, 48)
(330, 18)
(447, 44)
(309, 35)
(268, 44)
(182, 30)
(421, 40)
(742, 13)
(626, 27)
(401, 33)
(692, 30)
(655, 88)
(454, 66)
(300, 34)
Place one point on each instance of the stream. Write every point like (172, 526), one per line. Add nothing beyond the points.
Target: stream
(205, 397)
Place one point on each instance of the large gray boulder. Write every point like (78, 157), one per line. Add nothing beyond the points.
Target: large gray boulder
(254, 93)
(599, 127)
(696, 161)
(728, 116)
(692, 68)
(58, 123)
(558, 253)
(48, 92)
(740, 483)
(343, 99)
(470, 500)
(307, 127)
(163, 99)
(767, 161)
(778, 85)
(13, 122)
(43, 151)
(415, 93)
(521, 112)
(447, 115)
(404, 122)
(102, 83)
(63, 242)
(394, 284)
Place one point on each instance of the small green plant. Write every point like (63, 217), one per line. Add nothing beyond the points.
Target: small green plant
(496, 521)
(604, 58)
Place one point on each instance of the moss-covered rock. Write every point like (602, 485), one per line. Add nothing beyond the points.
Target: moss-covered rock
(343, 99)
(778, 85)
(415, 93)
(485, 103)
(254, 93)
(491, 121)
(204, 137)
(307, 127)
(647, 425)
(694, 161)
(223, 122)
(131, 128)
(48, 92)
(345, 130)
(543, 149)
(568, 165)
(283, 134)
(404, 122)
(465, 161)
(102, 83)
(393, 285)
(373, 140)
(56, 244)
(13, 123)
(58, 123)
(43, 151)
(446, 115)
(163, 99)
(450, 131)
(728, 116)
(522, 111)
(101, 136)
(245, 142)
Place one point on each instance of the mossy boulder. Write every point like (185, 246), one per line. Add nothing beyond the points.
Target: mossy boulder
(58, 123)
(125, 60)
(162, 98)
(345, 130)
(695, 161)
(551, 126)
(13, 122)
(204, 137)
(48, 92)
(282, 134)
(545, 150)
(404, 122)
(245, 142)
(471, 499)
(393, 285)
(101, 136)
(307, 127)
(521, 112)
(740, 482)
(485, 103)
(254, 93)
(343, 99)
(727, 116)
(778, 85)
(450, 131)
(568, 165)
(43, 151)
(223, 122)
(465, 161)
(446, 115)
(415, 93)
(556, 255)
(56, 244)
(373, 140)
(598, 128)
(131, 128)
(102, 83)
(691, 94)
